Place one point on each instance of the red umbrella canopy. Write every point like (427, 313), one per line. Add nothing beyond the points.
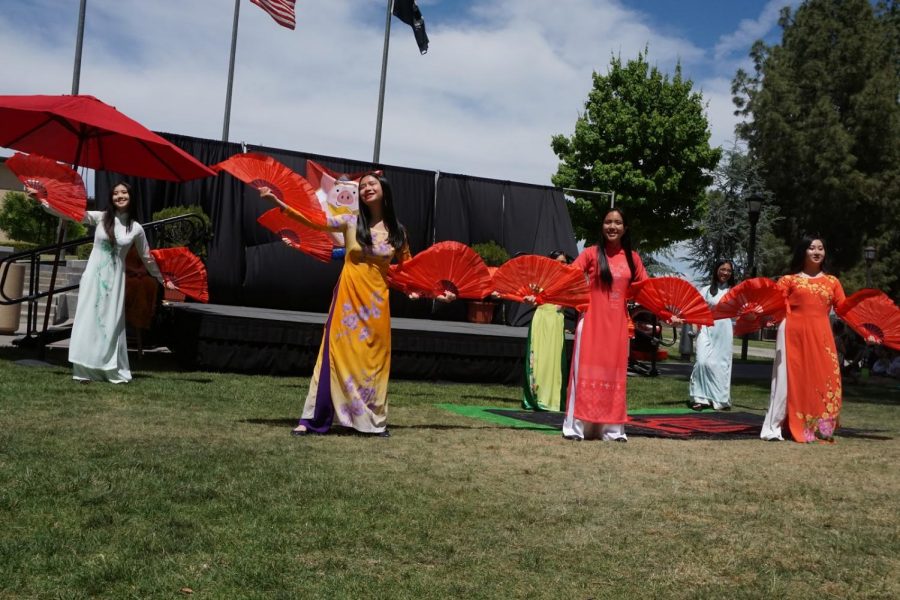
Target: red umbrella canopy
(89, 133)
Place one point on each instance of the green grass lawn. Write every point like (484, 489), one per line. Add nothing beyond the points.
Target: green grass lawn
(191, 480)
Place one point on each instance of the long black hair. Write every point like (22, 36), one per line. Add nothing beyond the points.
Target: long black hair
(396, 231)
(714, 278)
(132, 213)
(799, 257)
(604, 274)
(557, 253)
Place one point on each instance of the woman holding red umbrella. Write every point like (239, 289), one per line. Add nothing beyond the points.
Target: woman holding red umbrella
(97, 349)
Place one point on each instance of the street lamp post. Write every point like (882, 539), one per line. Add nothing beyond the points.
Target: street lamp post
(754, 207)
(869, 255)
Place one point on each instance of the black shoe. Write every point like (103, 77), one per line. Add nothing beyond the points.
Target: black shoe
(623, 440)
(384, 434)
(572, 438)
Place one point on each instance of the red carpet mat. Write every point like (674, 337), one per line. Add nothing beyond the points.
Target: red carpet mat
(682, 426)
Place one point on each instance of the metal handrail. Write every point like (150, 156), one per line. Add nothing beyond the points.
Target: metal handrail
(33, 256)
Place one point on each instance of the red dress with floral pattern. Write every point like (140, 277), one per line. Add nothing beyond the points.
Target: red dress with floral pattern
(813, 374)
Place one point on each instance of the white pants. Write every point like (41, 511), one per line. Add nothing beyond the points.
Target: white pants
(585, 430)
(771, 428)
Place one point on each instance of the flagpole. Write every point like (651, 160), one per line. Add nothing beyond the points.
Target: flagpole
(79, 42)
(234, 30)
(384, 57)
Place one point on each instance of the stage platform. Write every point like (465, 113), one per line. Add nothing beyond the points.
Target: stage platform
(259, 340)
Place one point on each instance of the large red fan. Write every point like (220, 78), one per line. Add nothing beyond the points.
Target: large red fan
(185, 269)
(754, 303)
(297, 235)
(549, 281)
(445, 266)
(259, 170)
(871, 314)
(56, 184)
(669, 297)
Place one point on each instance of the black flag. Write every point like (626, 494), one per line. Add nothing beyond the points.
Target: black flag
(409, 13)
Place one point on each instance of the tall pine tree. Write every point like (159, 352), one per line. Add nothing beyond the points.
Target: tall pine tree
(822, 120)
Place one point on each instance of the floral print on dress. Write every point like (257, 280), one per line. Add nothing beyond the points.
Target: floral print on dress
(822, 427)
(362, 395)
(354, 319)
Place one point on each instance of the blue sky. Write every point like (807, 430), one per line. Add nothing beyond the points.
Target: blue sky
(501, 78)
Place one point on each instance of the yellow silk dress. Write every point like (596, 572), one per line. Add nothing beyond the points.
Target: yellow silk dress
(350, 380)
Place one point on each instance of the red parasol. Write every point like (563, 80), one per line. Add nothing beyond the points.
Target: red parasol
(298, 236)
(56, 184)
(872, 314)
(259, 170)
(548, 280)
(754, 303)
(185, 269)
(669, 297)
(84, 131)
(445, 266)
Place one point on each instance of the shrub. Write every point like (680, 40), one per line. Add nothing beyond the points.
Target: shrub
(184, 233)
(492, 253)
(24, 220)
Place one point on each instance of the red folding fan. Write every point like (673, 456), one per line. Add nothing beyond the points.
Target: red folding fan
(669, 297)
(185, 269)
(56, 184)
(445, 266)
(298, 236)
(754, 303)
(549, 281)
(872, 314)
(259, 170)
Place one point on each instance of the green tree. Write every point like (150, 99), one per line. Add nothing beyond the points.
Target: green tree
(724, 225)
(823, 121)
(646, 137)
(24, 220)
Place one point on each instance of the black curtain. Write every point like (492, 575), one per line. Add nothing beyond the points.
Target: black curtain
(250, 266)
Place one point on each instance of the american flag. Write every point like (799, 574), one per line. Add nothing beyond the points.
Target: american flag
(280, 10)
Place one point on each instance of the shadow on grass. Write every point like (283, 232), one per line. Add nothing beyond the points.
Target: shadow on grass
(343, 431)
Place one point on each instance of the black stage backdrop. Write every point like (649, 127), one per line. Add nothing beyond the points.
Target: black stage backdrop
(249, 266)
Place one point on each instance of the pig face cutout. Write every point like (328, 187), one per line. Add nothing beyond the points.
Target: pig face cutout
(338, 196)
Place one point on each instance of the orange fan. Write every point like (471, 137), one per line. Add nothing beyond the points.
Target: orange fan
(297, 235)
(185, 269)
(754, 303)
(259, 170)
(669, 297)
(549, 281)
(445, 266)
(56, 184)
(871, 314)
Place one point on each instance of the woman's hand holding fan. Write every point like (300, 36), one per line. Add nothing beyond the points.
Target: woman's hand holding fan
(672, 299)
(54, 185)
(873, 315)
(274, 179)
(183, 270)
(541, 280)
(445, 271)
(753, 304)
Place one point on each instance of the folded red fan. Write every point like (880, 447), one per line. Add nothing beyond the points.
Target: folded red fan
(310, 241)
(872, 315)
(56, 184)
(669, 297)
(549, 281)
(259, 170)
(754, 304)
(444, 267)
(184, 269)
